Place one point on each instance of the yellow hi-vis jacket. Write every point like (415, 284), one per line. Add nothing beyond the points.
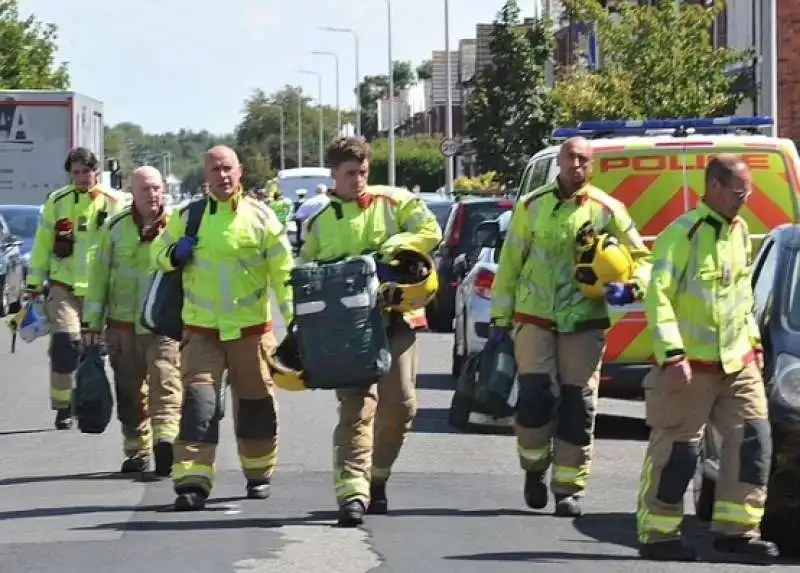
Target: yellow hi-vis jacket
(534, 281)
(120, 275)
(241, 251)
(382, 220)
(699, 303)
(87, 211)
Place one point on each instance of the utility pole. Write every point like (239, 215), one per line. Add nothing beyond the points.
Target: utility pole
(299, 128)
(449, 97)
(283, 140)
(769, 61)
(358, 75)
(392, 160)
(321, 115)
(335, 57)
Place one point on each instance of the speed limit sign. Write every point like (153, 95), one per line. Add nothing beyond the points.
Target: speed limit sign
(449, 147)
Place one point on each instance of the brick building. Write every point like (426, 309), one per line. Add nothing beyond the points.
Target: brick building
(789, 69)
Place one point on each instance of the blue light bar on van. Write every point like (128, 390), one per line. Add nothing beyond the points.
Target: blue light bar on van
(633, 127)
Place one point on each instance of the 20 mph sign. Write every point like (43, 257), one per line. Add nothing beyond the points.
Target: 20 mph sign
(449, 147)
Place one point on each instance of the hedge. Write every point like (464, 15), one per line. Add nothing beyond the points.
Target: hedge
(418, 161)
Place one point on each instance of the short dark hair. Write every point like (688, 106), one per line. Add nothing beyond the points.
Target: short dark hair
(83, 156)
(348, 149)
(721, 168)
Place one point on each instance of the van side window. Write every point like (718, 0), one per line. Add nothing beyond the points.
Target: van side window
(523, 184)
(539, 173)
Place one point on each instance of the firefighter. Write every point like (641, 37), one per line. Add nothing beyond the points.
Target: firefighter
(370, 431)
(65, 244)
(146, 366)
(240, 250)
(282, 206)
(559, 333)
(707, 345)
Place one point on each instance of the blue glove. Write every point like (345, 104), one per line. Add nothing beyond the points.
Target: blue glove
(498, 335)
(619, 294)
(183, 250)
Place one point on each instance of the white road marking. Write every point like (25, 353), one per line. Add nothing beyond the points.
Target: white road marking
(316, 548)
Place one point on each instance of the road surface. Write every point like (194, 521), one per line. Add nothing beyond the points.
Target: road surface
(456, 499)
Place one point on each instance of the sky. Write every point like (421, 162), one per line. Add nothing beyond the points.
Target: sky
(172, 64)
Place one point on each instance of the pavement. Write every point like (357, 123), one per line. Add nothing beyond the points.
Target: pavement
(455, 498)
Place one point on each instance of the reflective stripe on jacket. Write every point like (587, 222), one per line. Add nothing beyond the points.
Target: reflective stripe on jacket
(87, 211)
(382, 220)
(534, 281)
(120, 275)
(700, 300)
(241, 252)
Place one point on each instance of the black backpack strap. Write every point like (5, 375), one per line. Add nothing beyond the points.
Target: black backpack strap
(195, 217)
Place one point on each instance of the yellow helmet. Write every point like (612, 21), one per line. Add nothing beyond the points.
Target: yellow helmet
(601, 259)
(285, 365)
(413, 280)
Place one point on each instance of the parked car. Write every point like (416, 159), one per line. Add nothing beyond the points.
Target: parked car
(12, 269)
(22, 222)
(458, 239)
(473, 300)
(776, 276)
(440, 206)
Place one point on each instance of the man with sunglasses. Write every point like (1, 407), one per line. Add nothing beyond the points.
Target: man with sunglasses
(699, 307)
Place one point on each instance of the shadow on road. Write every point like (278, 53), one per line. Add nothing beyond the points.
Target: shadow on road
(540, 557)
(433, 421)
(216, 524)
(435, 382)
(608, 427)
(613, 528)
(22, 432)
(450, 512)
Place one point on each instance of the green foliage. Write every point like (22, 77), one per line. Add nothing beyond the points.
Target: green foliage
(511, 111)
(184, 150)
(418, 161)
(656, 62)
(425, 70)
(27, 52)
(374, 88)
(488, 181)
(259, 133)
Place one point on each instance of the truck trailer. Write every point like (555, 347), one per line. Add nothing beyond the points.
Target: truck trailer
(37, 130)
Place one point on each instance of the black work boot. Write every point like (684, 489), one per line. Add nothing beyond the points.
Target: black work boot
(378, 504)
(351, 513)
(671, 550)
(135, 464)
(63, 419)
(162, 452)
(258, 489)
(743, 549)
(567, 506)
(191, 499)
(535, 490)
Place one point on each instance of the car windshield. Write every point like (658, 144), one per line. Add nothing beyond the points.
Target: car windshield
(291, 185)
(479, 212)
(441, 210)
(21, 222)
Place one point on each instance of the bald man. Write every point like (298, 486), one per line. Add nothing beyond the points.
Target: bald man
(559, 333)
(146, 366)
(239, 252)
(707, 343)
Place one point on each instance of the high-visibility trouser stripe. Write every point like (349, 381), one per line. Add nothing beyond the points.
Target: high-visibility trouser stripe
(534, 455)
(648, 523)
(191, 471)
(566, 475)
(60, 396)
(165, 432)
(351, 487)
(266, 462)
(139, 444)
(740, 514)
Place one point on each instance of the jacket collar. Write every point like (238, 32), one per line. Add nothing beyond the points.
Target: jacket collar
(364, 200)
(147, 235)
(232, 202)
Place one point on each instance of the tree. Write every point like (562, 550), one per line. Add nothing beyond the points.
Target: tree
(425, 70)
(511, 112)
(258, 134)
(657, 61)
(374, 88)
(27, 52)
(418, 162)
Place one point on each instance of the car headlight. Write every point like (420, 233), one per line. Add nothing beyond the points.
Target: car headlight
(786, 380)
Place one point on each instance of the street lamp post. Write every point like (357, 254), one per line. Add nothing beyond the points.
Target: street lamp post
(449, 99)
(335, 57)
(391, 94)
(299, 128)
(283, 137)
(358, 74)
(321, 116)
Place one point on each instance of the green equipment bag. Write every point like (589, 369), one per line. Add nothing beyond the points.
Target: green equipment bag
(467, 412)
(93, 403)
(498, 371)
(340, 326)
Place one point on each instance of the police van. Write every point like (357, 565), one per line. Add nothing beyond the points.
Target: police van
(656, 168)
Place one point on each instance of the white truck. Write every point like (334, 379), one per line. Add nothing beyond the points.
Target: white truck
(37, 130)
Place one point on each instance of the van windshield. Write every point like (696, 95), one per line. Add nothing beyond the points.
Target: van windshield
(291, 185)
